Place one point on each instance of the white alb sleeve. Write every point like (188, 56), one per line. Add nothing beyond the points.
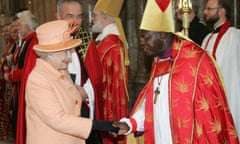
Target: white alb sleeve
(139, 117)
(90, 92)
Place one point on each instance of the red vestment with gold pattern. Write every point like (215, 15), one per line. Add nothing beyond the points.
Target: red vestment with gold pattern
(113, 103)
(198, 107)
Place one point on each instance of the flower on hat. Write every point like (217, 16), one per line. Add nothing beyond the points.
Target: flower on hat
(55, 36)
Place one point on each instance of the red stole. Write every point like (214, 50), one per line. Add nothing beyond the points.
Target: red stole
(93, 64)
(224, 28)
(94, 69)
(159, 69)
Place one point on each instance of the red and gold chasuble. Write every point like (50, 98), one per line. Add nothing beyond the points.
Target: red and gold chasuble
(197, 102)
(113, 104)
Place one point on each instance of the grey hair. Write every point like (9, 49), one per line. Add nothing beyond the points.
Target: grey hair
(61, 2)
(27, 18)
(109, 17)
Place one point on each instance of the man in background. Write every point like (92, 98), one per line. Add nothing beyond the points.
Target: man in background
(71, 10)
(197, 30)
(224, 45)
(112, 104)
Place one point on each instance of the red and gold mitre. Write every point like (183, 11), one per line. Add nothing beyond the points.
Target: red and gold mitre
(158, 16)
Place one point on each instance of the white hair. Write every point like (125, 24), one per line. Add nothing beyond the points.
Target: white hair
(27, 18)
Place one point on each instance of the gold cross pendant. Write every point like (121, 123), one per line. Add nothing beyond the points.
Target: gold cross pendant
(156, 92)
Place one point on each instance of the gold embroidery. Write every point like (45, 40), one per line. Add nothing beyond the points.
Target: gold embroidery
(199, 129)
(115, 68)
(203, 104)
(109, 79)
(193, 71)
(207, 79)
(188, 141)
(182, 123)
(191, 53)
(216, 126)
(218, 102)
(177, 45)
(116, 83)
(176, 68)
(105, 94)
(176, 139)
(232, 131)
(120, 75)
(182, 86)
(104, 77)
(108, 61)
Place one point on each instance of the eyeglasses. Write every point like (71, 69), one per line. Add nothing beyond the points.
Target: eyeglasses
(211, 8)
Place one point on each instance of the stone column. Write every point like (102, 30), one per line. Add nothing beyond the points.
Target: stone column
(131, 17)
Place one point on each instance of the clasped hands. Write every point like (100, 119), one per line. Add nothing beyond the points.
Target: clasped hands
(122, 128)
(114, 129)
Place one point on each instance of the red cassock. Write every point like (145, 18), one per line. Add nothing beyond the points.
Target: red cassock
(113, 103)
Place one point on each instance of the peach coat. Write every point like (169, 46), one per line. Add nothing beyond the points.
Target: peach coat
(53, 108)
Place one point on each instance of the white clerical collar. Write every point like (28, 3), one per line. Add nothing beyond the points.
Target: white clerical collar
(109, 29)
(217, 26)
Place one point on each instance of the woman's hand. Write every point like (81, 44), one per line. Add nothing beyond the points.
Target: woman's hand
(82, 92)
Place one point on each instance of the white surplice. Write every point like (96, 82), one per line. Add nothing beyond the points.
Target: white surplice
(162, 130)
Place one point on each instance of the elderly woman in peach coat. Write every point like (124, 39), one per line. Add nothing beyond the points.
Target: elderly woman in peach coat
(53, 102)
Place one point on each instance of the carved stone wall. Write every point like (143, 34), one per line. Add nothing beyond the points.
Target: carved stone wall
(131, 17)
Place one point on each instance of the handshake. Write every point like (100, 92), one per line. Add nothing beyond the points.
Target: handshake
(115, 129)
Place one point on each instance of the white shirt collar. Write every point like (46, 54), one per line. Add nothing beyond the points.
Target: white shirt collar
(109, 29)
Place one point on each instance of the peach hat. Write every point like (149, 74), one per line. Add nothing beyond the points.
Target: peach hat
(55, 36)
